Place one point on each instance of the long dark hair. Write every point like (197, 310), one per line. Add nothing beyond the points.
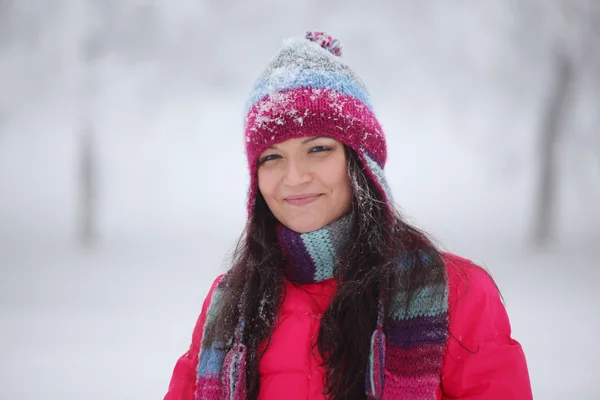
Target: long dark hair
(367, 268)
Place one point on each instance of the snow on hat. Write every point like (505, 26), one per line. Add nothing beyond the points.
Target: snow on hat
(308, 90)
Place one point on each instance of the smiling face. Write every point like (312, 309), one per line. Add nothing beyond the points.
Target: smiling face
(305, 182)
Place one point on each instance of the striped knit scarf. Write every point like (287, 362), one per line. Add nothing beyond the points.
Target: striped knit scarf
(405, 361)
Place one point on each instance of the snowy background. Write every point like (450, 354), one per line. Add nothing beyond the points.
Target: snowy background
(137, 105)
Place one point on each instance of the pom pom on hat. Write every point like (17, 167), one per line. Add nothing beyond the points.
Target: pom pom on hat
(325, 41)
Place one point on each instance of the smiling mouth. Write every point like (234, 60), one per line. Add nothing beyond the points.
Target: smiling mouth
(302, 200)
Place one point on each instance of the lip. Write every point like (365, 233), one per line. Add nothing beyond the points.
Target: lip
(302, 199)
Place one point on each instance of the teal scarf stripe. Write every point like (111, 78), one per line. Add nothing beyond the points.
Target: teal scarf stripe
(427, 301)
(210, 362)
(210, 359)
(322, 252)
(212, 312)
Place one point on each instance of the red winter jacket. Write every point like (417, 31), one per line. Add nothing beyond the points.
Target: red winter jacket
(482, 361)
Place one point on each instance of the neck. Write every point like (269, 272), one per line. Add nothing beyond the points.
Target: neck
(312, 256)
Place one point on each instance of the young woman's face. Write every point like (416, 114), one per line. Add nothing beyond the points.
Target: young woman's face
(305, 182)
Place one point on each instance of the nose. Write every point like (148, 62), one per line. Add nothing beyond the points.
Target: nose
(295, 172)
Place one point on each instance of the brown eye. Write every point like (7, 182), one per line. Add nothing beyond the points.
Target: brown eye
(319, 149)
(268, 158)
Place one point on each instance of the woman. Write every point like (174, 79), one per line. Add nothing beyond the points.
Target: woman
(331, 294)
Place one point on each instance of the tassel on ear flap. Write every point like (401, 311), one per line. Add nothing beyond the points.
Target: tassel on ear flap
(234, 368)
(375, 376)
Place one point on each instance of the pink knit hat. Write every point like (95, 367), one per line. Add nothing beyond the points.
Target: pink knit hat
(307, 90)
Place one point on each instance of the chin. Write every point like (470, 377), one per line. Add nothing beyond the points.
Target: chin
(304, 225)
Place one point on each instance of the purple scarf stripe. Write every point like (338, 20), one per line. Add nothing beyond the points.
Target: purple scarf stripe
(300, 267)
(414, 332)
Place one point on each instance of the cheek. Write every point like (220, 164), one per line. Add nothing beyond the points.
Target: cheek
(336, 177)
(267, 184)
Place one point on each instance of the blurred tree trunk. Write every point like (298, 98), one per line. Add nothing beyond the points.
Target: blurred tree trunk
(87, 187)
(91, 49)
(545, 211)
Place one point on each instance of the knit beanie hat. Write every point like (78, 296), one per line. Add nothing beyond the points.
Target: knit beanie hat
(308, 90)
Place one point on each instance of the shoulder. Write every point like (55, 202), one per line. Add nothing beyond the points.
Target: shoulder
(467, 279)
(183, 380)
(459, 268)
(214, 293)
(482, 360)
(197, 334)
(475, 306)
(218, 283)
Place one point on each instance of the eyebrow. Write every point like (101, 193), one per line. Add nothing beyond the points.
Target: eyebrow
(304, 141)
(312, 139)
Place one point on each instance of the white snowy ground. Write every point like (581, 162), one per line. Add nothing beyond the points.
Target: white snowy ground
(111, 322)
